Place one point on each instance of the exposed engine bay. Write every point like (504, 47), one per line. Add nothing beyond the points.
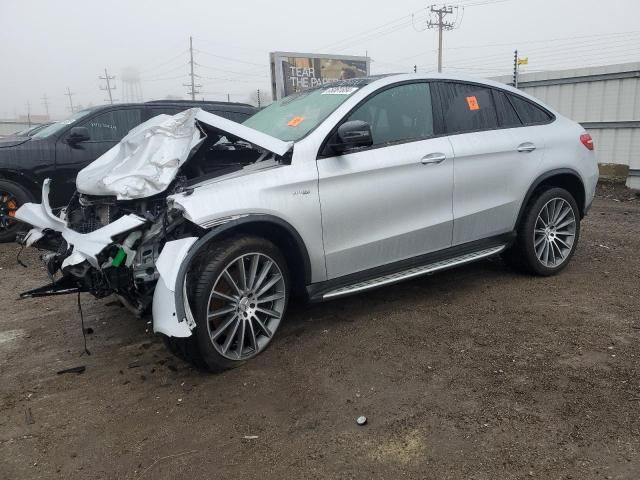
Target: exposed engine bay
(112, 243)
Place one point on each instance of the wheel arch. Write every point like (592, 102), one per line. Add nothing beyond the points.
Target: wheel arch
(273, 228)
(566, 178)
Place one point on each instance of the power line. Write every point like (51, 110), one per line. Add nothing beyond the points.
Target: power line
(108, 88)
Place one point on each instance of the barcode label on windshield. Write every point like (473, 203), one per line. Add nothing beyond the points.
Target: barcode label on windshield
(339, 91)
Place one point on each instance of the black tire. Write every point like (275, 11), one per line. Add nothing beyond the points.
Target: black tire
(208, 267)
(12, 196)
(522, 256)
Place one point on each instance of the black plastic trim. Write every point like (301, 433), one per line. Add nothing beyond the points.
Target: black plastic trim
(219, 230)
(316, 291)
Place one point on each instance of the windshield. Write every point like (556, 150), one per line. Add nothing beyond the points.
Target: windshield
(56, 127)
(291, 118)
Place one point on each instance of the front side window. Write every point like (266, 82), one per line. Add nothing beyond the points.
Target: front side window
(398, 114)
(467, 108)
(529, 113)
(113, 125)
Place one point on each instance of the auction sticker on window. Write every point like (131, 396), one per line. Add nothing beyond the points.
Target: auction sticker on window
(339, 90)
(473, 103)
(295, 121)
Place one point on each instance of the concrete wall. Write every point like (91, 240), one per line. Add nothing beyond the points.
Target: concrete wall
(606, 101)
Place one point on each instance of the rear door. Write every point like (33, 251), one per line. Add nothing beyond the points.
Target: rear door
(106, 129)
(495, 158)
(391, 201)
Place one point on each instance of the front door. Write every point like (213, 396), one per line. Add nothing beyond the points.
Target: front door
(391, 201)
(106, 129)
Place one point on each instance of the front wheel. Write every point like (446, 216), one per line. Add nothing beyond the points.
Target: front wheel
(12, 197)
(240, 294)
(548, 234)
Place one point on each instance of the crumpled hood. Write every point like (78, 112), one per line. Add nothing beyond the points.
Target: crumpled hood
(13, 141)
(147, 160)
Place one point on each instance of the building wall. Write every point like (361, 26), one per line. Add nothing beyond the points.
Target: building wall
(605, 100)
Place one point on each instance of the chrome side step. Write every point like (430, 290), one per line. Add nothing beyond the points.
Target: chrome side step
(412, 272)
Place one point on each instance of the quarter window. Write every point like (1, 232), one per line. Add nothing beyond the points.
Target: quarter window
(398, 114)
(507, 116)
(467, 108)
(529, 113)
(112, 126)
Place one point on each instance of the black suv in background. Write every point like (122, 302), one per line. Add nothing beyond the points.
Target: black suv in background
(62, 149)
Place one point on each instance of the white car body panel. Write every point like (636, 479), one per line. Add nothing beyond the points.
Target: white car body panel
(165, 319)
(86, 246)
(148, 158)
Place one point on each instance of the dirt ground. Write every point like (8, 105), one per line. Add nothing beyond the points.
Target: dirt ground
(475, 373)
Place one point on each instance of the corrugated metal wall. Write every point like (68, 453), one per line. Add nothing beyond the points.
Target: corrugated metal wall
(606, 100)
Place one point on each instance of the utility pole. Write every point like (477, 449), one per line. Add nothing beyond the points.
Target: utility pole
(415, 69)
(29, 113)
(45, 102)
(69, 94)
(259, 103)
(228, 98)
(515, 69)
(192, 86)
(441, 25)
(108, 88)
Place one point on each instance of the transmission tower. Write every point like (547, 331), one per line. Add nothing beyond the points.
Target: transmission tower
(437, 20)
(45, 102)
(131, 85)
(109, 87)
(192, 86)
(69, 94)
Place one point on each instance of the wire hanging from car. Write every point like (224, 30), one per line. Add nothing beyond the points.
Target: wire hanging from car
(20, 262)
(84, 333)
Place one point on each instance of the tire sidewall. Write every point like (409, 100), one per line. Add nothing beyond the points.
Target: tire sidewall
(527, 232)
(218, 260)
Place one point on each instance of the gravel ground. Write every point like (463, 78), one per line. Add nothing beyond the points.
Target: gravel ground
(475, 373)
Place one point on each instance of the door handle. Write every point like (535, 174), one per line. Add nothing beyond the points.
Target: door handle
(526, 147)
(433, 159)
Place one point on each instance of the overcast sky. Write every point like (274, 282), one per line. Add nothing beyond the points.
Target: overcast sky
(47, 46)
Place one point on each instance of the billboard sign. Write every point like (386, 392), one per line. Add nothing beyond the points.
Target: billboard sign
(294, 72)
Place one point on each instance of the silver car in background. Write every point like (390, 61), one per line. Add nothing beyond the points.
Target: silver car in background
(362, 183)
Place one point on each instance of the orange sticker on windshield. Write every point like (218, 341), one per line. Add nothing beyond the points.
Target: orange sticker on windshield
(295, 121)
(473, 103)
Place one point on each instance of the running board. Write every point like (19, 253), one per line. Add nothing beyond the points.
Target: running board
(413, 272)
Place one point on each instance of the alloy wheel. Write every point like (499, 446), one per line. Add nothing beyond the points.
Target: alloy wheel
(555, 232)
(245, 306)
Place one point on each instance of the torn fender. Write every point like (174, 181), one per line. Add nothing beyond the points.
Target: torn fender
(86, 246)
(165, 315)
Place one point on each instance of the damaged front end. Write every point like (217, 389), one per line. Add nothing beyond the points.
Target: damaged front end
(104, 246)
(121, 233)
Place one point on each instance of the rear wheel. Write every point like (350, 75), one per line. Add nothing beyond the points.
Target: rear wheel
(548, 234)
(12, 197)
(239, 297)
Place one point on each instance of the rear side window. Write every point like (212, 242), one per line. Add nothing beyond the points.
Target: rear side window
(113, 125)
(467, 108)
(529, 113)
(398, 114)
(507, 116)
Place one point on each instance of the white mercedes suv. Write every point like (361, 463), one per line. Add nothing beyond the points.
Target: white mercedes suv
(212, 225)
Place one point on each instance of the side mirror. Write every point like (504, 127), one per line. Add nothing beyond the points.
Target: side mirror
(352, 134)
(78, 134)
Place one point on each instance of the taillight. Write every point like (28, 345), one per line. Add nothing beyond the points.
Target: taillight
(587, 141)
